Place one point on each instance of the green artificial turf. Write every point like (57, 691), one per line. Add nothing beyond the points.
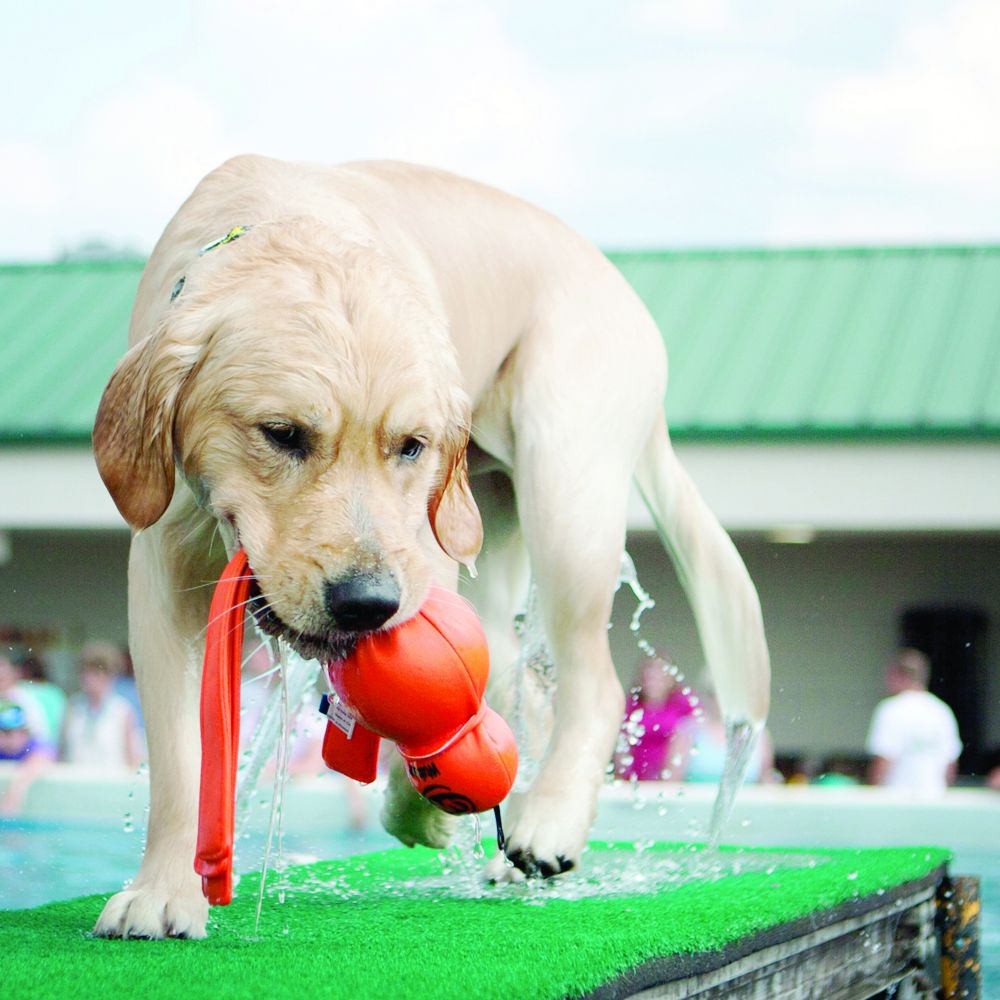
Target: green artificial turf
(395, 924)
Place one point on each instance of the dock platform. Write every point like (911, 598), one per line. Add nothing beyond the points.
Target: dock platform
(660, 920)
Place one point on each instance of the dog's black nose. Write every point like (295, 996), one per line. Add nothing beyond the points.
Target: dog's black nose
(362, 603)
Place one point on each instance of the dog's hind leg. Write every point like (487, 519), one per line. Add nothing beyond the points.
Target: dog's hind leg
(168, 611)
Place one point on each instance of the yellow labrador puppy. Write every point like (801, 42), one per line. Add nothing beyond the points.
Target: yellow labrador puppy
(312, 348)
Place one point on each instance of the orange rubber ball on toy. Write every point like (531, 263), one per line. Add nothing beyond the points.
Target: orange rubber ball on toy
(421, 685)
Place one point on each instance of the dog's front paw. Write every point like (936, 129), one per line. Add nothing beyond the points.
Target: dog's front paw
(516, 865)
(412, 819)
(546, 835)
(154, 911)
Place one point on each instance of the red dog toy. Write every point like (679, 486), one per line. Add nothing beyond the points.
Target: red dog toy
(420, 685)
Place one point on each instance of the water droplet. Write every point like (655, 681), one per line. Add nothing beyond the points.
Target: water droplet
(852, 876)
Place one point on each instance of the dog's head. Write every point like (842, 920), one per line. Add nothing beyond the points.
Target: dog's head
(309, 396)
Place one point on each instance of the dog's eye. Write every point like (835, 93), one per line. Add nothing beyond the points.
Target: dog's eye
(287, 437)
(411, 449)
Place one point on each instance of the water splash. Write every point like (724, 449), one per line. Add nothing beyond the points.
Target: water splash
(633, 729)
(533, 668)
(460, 862)
(293, 693)
(741, 736)
(741, 740)
(298, 684)
(606, 874)
(280, 776)
(477, 838)
(627, 576)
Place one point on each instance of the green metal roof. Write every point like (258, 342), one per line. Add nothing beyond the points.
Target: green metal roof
(63, 328)
(848, 343)
(832, 343)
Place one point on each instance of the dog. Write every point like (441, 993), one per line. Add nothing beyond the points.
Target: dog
(369, 376)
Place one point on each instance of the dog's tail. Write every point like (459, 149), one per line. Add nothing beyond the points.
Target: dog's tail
(722, 596)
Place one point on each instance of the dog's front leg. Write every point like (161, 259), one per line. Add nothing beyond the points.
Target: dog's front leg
(410, 818)
(168, 608)
(407, 815)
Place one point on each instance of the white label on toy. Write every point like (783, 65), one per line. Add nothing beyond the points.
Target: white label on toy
(341, 717)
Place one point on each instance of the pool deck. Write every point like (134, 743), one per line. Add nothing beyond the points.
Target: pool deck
(790, 815)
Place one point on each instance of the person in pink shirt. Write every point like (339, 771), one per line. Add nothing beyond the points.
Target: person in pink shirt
(652, 715)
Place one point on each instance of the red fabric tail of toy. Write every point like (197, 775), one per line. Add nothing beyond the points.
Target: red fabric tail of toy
(220, 730)
(356, 755)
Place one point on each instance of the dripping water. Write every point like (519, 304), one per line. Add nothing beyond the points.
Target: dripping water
(272, 736)
(741, 735)
(741, 740)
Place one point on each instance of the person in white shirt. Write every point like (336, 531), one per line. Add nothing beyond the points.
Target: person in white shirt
(913, 736)
(100, 726)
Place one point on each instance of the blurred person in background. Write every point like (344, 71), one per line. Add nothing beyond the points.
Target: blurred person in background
(30, 755)
(913, 736)
(699, 745)
(52, 698)
(991, 769)
(652, 714)
(100, 725)
(13, 689)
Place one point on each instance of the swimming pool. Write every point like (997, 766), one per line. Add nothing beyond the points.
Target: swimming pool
(43, 861)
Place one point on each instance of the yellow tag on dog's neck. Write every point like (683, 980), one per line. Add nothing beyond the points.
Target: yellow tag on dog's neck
(234, 234)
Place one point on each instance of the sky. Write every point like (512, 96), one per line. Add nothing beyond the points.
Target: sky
(643, 123)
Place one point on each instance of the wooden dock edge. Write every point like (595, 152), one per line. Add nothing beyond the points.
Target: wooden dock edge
(914, 939)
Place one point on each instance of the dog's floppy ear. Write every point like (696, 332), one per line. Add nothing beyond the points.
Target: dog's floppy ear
(452, 509)
(133, 433)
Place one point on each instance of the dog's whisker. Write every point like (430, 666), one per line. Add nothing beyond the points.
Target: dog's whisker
(236, 607)
(439, 601)
(198, 525)
(253, 652)
(260, 677)
(212, 583)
